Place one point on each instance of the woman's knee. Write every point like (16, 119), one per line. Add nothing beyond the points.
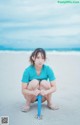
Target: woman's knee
(33, 84)
(45, 84)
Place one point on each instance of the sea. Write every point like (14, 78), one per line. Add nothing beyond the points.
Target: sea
(56, 51)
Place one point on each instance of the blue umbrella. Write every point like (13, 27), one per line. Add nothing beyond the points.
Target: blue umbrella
(39, 106)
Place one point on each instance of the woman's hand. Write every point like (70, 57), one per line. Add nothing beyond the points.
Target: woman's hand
(43, 92)
(36, 92)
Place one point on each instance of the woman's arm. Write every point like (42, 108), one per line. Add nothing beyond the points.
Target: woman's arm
(25, 89)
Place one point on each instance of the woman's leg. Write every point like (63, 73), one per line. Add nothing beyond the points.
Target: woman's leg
(33, 85)
(45, 85)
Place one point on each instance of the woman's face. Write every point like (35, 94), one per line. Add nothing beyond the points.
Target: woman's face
(39, 60)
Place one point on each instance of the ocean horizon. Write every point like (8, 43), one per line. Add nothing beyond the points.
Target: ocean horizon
(46, 49)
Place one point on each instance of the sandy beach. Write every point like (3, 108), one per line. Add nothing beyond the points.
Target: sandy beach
(66, 66)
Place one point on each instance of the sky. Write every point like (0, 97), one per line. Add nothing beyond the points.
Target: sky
(39, 23)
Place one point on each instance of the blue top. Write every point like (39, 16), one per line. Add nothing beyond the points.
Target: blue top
(45, 74)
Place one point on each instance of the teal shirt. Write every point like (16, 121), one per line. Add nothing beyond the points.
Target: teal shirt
(45, 74)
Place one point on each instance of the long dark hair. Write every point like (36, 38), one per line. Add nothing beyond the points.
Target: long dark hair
(35, 54)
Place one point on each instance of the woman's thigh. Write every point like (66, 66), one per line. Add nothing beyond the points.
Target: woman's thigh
(44, 84)
(33, 84)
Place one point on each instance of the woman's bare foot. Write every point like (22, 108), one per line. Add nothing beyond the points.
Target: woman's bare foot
(25, 108)
(53, 107)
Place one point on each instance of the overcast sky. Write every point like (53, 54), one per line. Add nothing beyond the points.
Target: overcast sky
(39, 23)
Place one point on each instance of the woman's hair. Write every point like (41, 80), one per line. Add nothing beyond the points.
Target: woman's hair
(35, 54)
